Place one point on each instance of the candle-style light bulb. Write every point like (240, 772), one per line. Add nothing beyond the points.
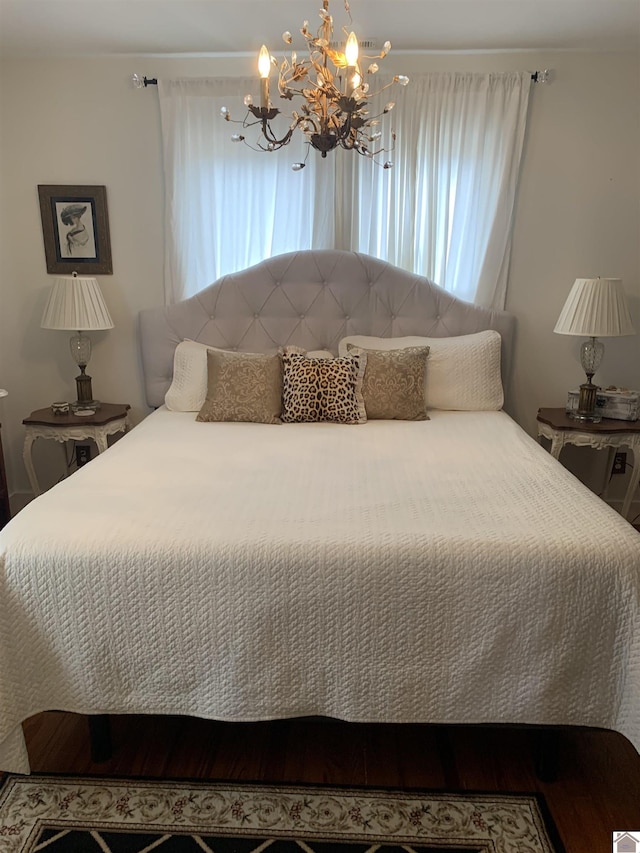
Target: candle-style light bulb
(351, 55)
(264, 69)
(351, 50)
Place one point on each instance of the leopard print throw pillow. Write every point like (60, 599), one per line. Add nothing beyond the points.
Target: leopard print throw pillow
(327, 389)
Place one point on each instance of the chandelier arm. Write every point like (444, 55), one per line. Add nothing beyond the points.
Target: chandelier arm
(246, 123)
(377, 152)
(259, 148)
(315, 127)
(349, 144)
(293, 92)
(377, 116)
(270, 147)
(271, 138)
(380, 55)
(379, 91)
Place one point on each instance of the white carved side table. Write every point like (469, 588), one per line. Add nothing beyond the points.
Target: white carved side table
(608, 434)
(109, 419)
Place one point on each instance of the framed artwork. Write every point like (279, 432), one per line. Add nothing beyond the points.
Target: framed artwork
(75, 226)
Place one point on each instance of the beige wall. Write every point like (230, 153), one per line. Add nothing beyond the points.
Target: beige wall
(81, 122)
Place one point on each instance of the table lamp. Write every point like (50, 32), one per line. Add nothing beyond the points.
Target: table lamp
(76, 303)
(595, 307)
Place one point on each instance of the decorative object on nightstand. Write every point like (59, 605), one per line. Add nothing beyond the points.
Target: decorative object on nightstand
(76, 304)
(561, 429)
(110, 419)
(595, 307)
(5, 510)
(619, 404)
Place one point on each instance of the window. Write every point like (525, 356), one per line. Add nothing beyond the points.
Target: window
(444, 211)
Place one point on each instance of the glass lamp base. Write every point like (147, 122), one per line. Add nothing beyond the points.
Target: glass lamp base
(85, 405)
(586, 417)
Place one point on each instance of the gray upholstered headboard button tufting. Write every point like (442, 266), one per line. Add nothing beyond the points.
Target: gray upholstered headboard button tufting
(312, 299)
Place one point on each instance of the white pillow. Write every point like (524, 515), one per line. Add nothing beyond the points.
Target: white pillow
(188, 389)
(319, 353)
(463, 373)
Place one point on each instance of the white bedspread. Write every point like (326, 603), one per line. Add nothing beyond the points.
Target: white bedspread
(439, 571)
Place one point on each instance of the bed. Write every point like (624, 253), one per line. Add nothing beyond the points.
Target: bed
(443, 569)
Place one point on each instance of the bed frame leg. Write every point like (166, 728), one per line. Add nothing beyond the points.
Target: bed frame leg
(545, 752)
(100, 735)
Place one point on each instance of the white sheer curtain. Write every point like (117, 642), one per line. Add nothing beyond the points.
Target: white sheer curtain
(227, 207)
(445, 210)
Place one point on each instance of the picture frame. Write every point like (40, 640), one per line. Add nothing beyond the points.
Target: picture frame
(75, 227)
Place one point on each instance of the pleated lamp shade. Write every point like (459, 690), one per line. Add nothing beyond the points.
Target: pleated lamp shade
(76, 303)
(596, 307)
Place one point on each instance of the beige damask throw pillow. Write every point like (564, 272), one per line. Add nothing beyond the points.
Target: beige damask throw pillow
(393, 384)
(242, 386)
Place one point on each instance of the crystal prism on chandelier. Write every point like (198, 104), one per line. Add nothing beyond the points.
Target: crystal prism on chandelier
(335, 96)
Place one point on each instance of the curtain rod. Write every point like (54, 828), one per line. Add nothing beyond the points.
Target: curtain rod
(143, 82)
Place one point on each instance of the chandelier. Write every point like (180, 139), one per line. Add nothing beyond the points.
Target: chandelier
(335, 96)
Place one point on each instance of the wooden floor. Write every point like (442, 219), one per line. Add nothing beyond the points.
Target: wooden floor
(598, 790)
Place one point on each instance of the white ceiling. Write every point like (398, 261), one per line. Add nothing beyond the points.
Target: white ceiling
(67, 28)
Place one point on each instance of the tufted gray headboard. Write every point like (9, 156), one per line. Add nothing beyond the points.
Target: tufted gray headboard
(312, 299)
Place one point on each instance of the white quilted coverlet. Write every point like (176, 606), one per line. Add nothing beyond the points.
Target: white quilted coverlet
(440, 571)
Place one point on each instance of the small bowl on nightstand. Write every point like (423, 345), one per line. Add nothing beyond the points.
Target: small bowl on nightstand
(60, 408)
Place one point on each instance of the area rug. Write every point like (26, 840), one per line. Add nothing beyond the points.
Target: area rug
(56, 814)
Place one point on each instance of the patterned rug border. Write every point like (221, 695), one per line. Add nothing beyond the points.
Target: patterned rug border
(547, 834)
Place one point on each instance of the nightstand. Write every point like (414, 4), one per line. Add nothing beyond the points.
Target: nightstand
(561, 430)
(109, 419)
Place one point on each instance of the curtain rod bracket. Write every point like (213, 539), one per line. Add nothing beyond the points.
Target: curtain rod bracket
(142, 82)
(541, 76)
